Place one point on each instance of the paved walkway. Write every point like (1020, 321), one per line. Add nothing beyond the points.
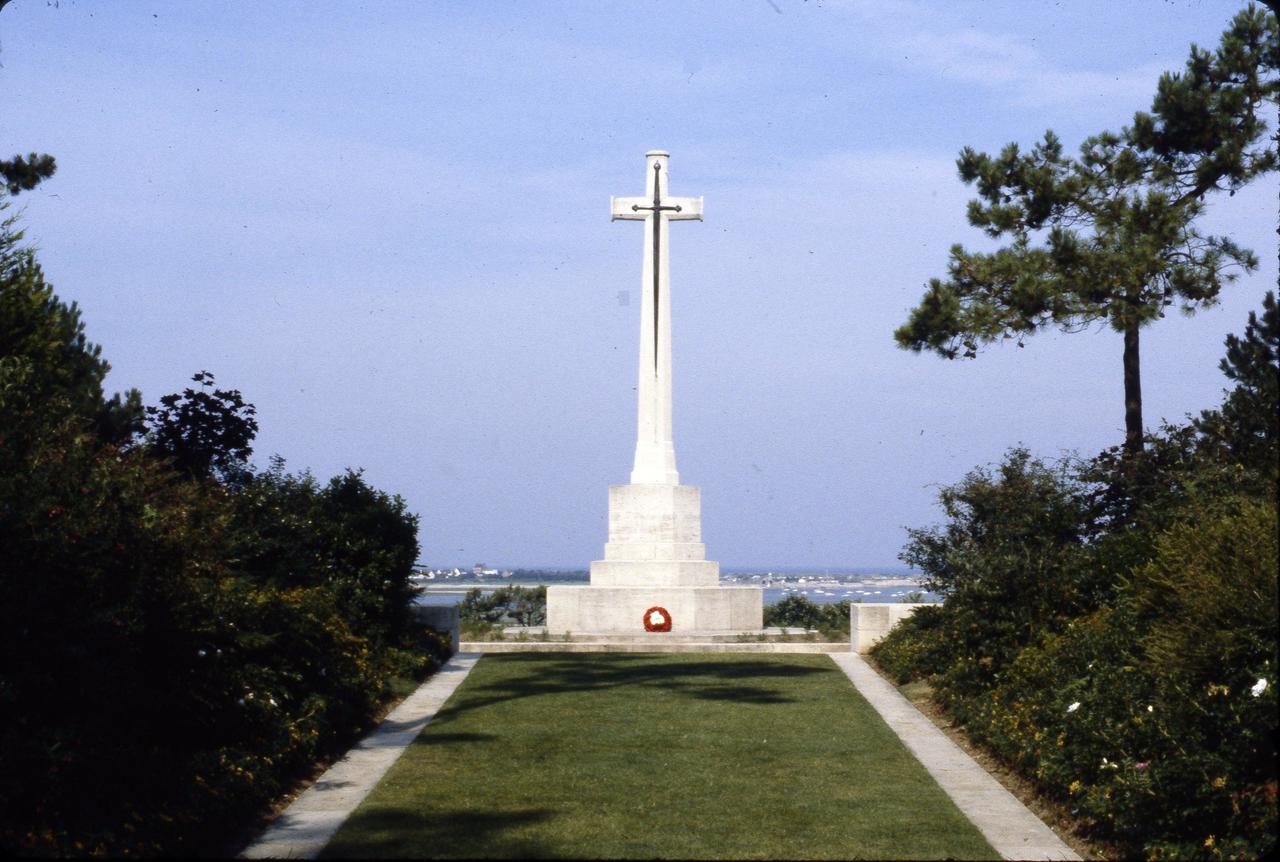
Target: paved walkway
(1006, 823)
(308, 824)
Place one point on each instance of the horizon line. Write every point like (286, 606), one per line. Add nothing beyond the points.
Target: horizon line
(580, 567)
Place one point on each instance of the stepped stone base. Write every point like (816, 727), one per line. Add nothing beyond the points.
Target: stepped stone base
(621, 609)
(655, 573)
(654, 558)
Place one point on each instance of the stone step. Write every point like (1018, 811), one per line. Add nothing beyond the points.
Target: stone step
(654, 646)
(652, 637)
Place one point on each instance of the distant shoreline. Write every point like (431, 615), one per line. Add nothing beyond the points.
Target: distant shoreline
(777, 581)
(820, 589)
(808, 571)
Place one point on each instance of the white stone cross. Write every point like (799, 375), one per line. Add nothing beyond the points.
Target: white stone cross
(655, 453)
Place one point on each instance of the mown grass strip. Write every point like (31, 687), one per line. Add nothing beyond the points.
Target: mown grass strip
(658, 756)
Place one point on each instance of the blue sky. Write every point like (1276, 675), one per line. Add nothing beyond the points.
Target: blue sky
(386, 223)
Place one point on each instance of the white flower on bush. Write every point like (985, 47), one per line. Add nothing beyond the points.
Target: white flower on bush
(1074, 706)
(1258, 687)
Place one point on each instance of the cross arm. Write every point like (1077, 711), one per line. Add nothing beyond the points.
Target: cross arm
(690, 208)
(621, 208)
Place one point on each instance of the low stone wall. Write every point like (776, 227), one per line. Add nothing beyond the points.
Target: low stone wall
(621, 610)
(445, 619)
(870, 622)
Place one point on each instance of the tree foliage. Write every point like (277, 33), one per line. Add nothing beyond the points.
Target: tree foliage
(357, 542)
(207, 432)
(1111, 235)
(1247, 423)
(515, 605)
(173, 653)
(47, 363)
(1008, 560)
(798, 611)
(1109, 627)
(21, 174)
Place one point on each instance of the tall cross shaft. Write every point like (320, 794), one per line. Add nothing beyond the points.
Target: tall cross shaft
(655, 453)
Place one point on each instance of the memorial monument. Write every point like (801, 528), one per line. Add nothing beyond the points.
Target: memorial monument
(654, 576)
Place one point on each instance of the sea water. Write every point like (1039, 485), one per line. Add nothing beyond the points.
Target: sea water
(824, 589)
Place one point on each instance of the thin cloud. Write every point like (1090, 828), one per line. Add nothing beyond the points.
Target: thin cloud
(1007, 65)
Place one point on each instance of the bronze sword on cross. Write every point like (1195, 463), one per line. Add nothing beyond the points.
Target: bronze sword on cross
(657, 247)
(655, 208)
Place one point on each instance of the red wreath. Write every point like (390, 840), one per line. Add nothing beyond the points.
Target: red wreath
(664, 623)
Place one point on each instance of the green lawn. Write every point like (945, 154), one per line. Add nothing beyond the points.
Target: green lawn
(658, 756)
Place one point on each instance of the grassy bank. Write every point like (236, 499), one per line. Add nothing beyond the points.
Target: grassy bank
(658, 756)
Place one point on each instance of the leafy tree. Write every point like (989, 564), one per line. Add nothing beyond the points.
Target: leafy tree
(523, 606)
(207, 431)
(1111, 235)
(104, 568)
(156, 692)
(371, 544)
(797, 611)
(1009, 563)
(355, 541)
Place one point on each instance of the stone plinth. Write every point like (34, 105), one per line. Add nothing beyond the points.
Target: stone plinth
(870, 622)
(600, 610)
(655, 539)
(444, 619)
(654, 558)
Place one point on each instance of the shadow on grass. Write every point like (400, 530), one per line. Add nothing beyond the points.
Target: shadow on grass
(444, 738)
(456, 834)
(700, 679)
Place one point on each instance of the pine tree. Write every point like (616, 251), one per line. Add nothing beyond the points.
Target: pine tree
(1248, 422)
(24, 174)
(1111, 235)
(48, 367)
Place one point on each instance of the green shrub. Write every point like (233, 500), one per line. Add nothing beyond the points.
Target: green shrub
(174, 651)
(513, 605)
(151, 697)
(1155, 718)
(1010, 563)
(1208, 609)
(915, 648)
(154, 695)
(480, 630)
(1209, 596)
(793, 611)
(797, 611)
(354, 540)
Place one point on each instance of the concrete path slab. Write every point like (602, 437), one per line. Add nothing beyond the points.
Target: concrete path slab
(308, 824)
(1006, 823)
